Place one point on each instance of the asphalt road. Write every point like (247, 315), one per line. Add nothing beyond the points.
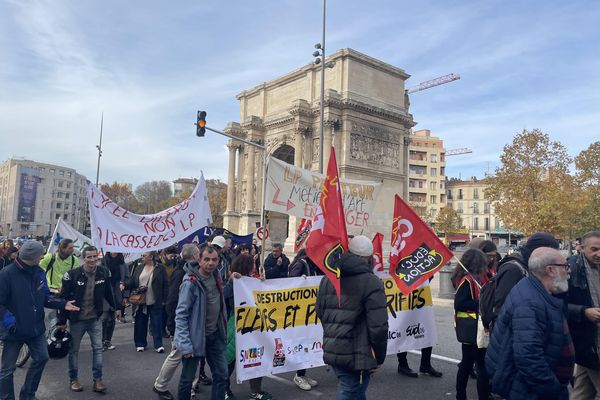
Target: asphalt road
(130, 375)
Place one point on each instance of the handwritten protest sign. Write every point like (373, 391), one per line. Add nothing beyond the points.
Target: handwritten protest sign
(277, 329)
(295, 191)
(116, 229)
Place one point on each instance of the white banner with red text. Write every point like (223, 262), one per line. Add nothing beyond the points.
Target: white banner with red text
(295, 191)
(116, 229)
(277, 329)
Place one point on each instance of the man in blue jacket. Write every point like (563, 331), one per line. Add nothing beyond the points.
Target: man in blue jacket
(200, 324)
(23, 295)
(531, 354)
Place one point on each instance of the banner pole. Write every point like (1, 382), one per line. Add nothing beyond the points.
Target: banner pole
(467, 271)
(262, 212)
(53, 234)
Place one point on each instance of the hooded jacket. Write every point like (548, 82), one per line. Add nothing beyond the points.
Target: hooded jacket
(23, 295)
(355, 330)
(511, 270)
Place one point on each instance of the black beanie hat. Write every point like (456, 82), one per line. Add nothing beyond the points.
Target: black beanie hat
(541, 239)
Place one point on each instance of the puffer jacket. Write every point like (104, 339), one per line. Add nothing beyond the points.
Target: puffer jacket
(584, 331)
(190, 315)
(355, 331)
(526, 344)
(23, 295)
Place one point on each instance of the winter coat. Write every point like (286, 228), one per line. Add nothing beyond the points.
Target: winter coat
(355, 330)
(173, 297)
(160, 282)
(583, 331)
(511, 270)
(73, 288)
(274, 271)
(23, 295)
(190, 315)
(303, 266)
(526, 344)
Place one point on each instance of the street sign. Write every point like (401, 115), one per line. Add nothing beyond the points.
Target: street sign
(260, 232)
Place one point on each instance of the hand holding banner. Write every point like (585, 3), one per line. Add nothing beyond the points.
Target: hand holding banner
(417, 253)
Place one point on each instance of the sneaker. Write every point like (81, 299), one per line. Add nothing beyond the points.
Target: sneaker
(302, 383)
(229, 395)
(311, 381)
(163, 394)
(260, 396)
(203, 379)
(108, 346)
(160, 350)
(196, 388)
(139, 349)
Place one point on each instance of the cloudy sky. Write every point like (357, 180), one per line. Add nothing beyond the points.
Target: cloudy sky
(150, 65)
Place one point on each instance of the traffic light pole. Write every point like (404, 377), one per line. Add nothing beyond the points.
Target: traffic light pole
(264, 187)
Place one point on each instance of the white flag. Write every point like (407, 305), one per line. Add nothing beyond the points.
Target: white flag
(65, 231)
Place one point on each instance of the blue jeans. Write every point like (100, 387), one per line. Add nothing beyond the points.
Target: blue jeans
(140, 329)
(216, 356)
(350, 385)
(93, 327)
(39, 356)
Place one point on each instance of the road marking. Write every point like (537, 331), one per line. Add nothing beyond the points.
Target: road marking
(441, 358)
(290, 383)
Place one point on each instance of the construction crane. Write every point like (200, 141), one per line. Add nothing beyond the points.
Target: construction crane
(456, 152)
(433, 83)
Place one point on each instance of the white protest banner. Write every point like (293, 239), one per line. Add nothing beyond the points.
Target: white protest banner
(116, 229)
(277, 329)
(65, 231)
(295, 191)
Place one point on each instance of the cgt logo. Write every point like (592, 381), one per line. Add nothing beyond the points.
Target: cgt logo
(416, 331)
(394, 335)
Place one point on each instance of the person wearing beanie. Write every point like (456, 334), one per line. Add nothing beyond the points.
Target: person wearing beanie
(514, 267)
(22, 318)
(355, 327)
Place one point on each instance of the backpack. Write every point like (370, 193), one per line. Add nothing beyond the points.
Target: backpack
(487, 297)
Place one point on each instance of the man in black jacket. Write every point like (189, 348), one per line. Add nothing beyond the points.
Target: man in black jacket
(355, 329)
(584, 315)
(89, 286)
(276, 263)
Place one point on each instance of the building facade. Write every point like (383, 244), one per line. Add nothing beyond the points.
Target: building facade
(33, 196)
(366, 119)
(426, 175)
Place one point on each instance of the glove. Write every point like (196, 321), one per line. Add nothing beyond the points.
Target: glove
(10, 322)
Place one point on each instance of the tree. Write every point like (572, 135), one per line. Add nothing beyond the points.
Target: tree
(531, 190)
(587, 215)
(217, 198)
(448, 220)
(121, 194)
(153, 196)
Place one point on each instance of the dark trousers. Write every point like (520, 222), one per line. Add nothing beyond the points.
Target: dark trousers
(471, 354)
(108, 326)
(425, 358)
(140, 329)
(39, 356)
(255, 383)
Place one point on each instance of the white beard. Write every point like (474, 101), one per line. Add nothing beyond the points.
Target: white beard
(559, 285)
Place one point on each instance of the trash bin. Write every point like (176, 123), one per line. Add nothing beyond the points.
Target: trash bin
(446, 288)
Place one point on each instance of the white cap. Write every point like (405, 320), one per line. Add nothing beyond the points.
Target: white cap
(361, 246)
(218, 241)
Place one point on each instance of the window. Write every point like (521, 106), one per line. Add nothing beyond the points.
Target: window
(57, 216)
(67, 195)
(60, 183)
(476, 223)
(434, 158)
(486, 208)
(459, 207)
(65, 216)
(449, 194)
(442, 171)
(475, 208)
(432, 185)
(66, 206)
(433, 199)
(460, 194)
(433, 171)
(442, 185)
(59, 205)
(69, 174)
(476, 193)
(68, 185)
(497, 223)
(59, 195)
(52, 171)
(486, 224)
(61, 172)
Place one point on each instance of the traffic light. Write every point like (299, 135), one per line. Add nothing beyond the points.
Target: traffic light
(201, 123)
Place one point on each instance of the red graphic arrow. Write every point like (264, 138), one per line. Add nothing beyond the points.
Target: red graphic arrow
(289, 205)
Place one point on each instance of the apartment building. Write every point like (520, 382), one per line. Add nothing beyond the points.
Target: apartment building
(33, 196)
(426, 179)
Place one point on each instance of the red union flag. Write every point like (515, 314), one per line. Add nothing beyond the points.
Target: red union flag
(302, 234)
(417, 253)
(328, 237)
(378, 252)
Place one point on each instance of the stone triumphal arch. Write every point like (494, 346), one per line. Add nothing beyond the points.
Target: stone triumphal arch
(366, 119)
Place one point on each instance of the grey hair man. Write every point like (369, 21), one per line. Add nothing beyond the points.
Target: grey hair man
(531, 354)
(584, 315)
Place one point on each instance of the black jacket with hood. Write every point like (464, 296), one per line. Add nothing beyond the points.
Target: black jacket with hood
(355, 330)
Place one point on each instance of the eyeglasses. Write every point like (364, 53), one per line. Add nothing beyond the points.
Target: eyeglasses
(565, 266)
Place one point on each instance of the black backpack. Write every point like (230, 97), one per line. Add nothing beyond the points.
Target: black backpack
(487, 298)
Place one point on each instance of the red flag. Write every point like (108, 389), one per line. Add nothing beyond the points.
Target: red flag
(328, 237)
(378, 252)
(302, 234)
(417, 253)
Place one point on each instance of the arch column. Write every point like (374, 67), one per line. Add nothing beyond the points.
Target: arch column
(240, 178)
(250, 178)
(231, 177)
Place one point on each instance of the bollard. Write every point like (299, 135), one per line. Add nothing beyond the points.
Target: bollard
(446, 288)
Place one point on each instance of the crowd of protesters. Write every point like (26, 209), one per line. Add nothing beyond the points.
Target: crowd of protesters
(545, 311)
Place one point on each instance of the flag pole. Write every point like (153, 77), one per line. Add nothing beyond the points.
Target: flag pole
(466, 270)
(53, 234)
